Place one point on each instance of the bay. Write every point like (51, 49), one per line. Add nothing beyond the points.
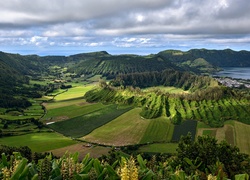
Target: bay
(235, 72)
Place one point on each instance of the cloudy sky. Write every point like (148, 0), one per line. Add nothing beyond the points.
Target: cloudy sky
(64, 27)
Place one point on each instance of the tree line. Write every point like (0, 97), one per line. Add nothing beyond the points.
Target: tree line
(184, 80)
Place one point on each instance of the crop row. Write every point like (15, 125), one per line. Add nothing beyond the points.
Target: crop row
(211, 112)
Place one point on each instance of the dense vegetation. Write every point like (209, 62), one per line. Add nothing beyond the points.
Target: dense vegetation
(208, 102)
(184, 80)
(219, 58)
(201, 159)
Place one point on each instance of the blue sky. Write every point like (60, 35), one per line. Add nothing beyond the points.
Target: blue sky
(65, 27)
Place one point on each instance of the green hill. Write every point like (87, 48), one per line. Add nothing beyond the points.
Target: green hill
(219, 58)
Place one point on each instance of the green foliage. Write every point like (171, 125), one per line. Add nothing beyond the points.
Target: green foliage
(213, 106)
(207, 155)
(184, 80)
(201, 159)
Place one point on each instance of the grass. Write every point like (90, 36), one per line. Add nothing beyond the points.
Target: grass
(207, 132)
(74, 92)
(71, 110)
(38, 142)
(95, 78)
(93, 151)
(84, 124)
(166, 89)
(202, 125)
(125, 129)
(242, 138)
(34, 111)
(158, 130)
(159, 148)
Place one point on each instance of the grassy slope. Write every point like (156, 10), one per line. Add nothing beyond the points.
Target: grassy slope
(74, 92)
(158, 130)
(38, 142)
(125, 129)
(242, 138)
(84, 124)
(78, 108)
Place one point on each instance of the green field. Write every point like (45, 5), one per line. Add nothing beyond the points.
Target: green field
(38, 142)
(74, 92)
(126, 129)
(241, 136)
(84, 124)
(35, 111)
(159, 148)
(158, 130)
(70, 110)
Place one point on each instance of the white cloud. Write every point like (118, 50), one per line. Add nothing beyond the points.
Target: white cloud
(123, 23)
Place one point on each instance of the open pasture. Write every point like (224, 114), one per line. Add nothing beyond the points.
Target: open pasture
(241, 136)
(126, 129)
(84, 124)
(78, 108)
(158, 130)
(73, 92)
(38, 142)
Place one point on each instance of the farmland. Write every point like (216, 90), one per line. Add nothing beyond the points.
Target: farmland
(116, 132)
(153, 117)
(233, 132)
(84, 124)
(68, 113)
(38, 142)
(158, 130)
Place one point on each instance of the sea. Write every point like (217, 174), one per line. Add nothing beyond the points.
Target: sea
(235, 72)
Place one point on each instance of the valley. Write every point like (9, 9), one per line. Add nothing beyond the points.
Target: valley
(108, 101)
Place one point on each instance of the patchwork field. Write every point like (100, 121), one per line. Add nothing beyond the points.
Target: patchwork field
(38, 142)
(234, 132)
(126, 129)
(84, 124)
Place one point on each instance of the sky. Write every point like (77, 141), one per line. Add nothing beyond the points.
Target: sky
(66, 27)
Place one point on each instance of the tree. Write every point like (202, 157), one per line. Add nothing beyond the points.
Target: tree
(206, 155)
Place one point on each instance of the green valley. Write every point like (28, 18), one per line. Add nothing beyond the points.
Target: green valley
(99, 103)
